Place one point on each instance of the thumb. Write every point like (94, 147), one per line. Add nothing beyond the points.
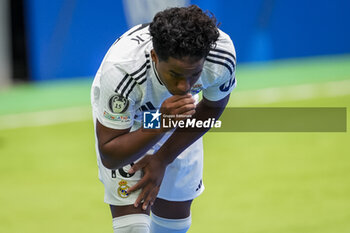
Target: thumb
(137, 166)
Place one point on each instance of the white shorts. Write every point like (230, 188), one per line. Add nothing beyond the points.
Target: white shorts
(182, 180)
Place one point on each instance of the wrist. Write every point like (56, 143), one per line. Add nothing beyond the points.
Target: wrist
(164, 158)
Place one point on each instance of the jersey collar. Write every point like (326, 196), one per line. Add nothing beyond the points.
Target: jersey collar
(156, 73)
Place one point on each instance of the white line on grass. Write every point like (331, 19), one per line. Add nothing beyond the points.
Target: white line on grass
(42, 118)
(240, 98)
(290, 93)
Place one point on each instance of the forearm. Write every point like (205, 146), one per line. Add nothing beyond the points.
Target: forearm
(121, 147)
(128, 147)
(184, 137)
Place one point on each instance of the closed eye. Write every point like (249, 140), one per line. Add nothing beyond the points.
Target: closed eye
(196, 74)
(174, 74)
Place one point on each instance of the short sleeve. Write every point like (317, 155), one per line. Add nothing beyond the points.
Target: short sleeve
(221, 88)
(113, 100)
(221, 66)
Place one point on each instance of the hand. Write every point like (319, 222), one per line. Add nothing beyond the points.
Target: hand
(153, 169)
(179, 105)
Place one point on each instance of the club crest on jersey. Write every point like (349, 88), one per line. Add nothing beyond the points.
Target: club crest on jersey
(118, 104)
(123, 189)
(196, 89)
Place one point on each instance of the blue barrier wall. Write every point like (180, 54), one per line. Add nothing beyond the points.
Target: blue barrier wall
(68, 38)
(275, 29)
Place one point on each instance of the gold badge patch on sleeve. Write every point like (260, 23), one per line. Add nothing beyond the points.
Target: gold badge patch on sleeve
(118, 103)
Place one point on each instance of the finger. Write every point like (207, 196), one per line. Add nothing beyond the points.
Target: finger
(138, 165)
(150, 198)
(185, 108)
(170, 106)
(181, 102)
(178, 102)
(140, 184)
(140, 198)
(146, 196)
(175, 98)
(189, 113)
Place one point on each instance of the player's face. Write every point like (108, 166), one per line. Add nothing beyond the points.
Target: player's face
(179, 75)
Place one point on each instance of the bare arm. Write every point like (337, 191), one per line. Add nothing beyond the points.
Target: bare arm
(154, 166)
(121, 147)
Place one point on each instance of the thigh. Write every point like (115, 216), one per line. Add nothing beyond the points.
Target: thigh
(118, 211)
(172, 209)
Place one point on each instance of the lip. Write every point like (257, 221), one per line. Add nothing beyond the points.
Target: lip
(178, 93)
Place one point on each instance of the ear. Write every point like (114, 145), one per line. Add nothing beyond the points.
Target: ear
(154, 56)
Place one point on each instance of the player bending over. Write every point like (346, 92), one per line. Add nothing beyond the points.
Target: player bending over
(162, 65)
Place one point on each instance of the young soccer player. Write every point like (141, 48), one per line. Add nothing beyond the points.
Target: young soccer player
(159, 66)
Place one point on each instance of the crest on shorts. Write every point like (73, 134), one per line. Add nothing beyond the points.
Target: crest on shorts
(123, 189)
(118, 104)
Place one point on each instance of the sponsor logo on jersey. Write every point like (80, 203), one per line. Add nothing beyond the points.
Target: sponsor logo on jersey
(117, 117)
(118, 103)
(123, 189)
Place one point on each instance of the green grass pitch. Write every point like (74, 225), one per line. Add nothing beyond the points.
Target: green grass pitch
(255, 182)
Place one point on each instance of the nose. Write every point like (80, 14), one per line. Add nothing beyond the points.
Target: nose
(184, 86)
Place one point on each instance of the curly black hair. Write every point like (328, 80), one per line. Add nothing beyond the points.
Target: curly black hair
(183, 31)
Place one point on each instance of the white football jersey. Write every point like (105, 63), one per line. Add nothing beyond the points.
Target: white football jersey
(127, 83)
